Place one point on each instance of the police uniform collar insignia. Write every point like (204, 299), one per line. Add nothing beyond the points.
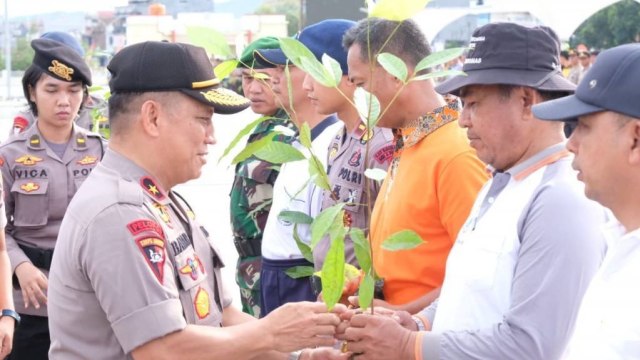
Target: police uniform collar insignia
(152, 249)
(30, 187)
(150, 186)
(28, 160)
(61, 70)
(202, 304)
(87, 160)
(163, 212)
(81, 141)
(34, 141)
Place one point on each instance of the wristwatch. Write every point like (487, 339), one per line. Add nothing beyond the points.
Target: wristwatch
(419, 323)
(11, 313)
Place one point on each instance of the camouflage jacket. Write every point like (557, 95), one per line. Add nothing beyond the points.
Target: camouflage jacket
(252, 188)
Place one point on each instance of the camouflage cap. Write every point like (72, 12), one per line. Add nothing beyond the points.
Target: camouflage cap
(248, 61)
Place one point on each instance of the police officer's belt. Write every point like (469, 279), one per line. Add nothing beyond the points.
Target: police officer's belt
(40, 258)
(248, 247)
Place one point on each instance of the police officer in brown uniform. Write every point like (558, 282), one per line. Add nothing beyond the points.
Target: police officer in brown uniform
(42, 169)
(134, 257)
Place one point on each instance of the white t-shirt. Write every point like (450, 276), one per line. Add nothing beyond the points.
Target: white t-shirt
(293, 191)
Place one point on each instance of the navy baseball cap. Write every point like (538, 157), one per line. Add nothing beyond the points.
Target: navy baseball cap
(610, 84)
(324, 37)
(511, 54)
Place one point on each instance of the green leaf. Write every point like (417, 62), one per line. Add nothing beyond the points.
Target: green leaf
(317, 71)
(323, 222)
(402, 240)
(298, 272)
(394, 66)
(318, 173)
(214, 42)
(375, 174)
(250, 149)
(287, 76)
(305, 135)
(245, 131)
(438, 58)
(368, 106)
(365, 292)
(333, 68)
(278, 152)
(396, 10)
(295, 51)
(225, 68)
(445, 73)
(304, 248)
(333, 273)
(361, 249)
(295, 217)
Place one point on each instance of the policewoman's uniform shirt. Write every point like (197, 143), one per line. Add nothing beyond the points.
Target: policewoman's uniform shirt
(38, 188)
(347, 162)
(132, 265)
(608, 325)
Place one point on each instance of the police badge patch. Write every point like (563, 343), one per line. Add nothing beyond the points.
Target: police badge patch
(153, 251)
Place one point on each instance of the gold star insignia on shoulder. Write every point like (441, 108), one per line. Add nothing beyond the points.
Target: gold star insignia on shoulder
(149, 185)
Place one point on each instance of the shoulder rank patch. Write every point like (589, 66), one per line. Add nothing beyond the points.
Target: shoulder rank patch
(81, 142)
(87, 160)
(28, 160)
(153, 251)
(385, 154)
(202, 303)
(193, 268)
(151, 188)
(29, 187)
(137, 227)
(34, 141)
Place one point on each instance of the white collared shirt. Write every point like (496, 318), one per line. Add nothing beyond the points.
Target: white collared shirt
(608, 325)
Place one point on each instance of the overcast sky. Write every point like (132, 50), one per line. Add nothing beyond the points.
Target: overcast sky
(34, 7)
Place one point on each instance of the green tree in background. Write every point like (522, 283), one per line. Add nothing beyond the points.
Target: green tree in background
(21, 54)
(614, 25)
(290, 8)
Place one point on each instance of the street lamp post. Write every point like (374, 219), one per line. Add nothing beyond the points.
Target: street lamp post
(7, 48)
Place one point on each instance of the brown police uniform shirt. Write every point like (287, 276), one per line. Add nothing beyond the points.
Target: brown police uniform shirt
(38, 188)
(132, 264)
(346, 167)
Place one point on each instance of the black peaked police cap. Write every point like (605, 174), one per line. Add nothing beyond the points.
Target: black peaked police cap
(60, 61)
(164, 66)
(511, 54)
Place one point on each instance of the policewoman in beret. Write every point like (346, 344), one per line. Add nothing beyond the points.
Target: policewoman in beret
(42, 168)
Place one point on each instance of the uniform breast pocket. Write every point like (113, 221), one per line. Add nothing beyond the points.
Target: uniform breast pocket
(31, 203)
(478, 265)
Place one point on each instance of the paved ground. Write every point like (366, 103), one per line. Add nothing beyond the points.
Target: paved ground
(208, 195)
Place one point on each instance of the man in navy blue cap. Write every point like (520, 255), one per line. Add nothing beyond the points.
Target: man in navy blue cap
(279, 249)
(524, 258)
(606, 145)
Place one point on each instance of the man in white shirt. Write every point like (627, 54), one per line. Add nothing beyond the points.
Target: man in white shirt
(606, 144)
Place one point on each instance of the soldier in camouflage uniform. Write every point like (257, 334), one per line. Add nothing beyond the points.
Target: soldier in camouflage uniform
(252, 188)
